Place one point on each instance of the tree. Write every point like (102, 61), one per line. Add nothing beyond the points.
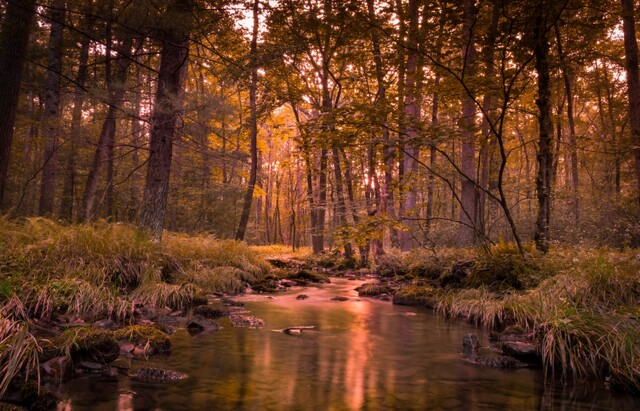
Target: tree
(14, 39)
(633, 80)
(52, 109)
(468, 198)
(173, 65)
(253, 122)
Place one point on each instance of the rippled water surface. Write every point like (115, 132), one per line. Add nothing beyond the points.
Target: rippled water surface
(363, 354)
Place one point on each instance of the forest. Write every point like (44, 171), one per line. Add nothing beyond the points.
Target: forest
(477, 157)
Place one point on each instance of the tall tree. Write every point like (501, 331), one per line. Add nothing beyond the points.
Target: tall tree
(68, 190)
(14, 39)
(253, 123)
(168, 97)
(468, 198)
(540, 44)
(633, 79)
(410, 129)
(52, 109)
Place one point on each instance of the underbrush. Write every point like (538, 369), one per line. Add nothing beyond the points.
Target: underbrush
(582, 306)
(55, 274)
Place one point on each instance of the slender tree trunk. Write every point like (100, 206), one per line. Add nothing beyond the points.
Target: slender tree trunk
(545, 156)
(411, 119)
(52, 110)
(384, 192)
(573, 149)
(168, 99)
(341, 207)
(246, 209)
(468, 201)
(633, 80)
(14, 39)
(68, 190)
(488, 107)
(116, 88)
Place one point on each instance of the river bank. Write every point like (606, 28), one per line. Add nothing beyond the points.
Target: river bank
(75, 299)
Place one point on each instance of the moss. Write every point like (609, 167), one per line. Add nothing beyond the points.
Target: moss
(389, 265)
(372, 290)
(83, 344)
(305, 276)
(142, 335)
(208, 311)
(416, 296)
(269, 284)
(32, 396)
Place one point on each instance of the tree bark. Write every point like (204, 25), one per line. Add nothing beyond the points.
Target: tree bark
(246, 209)
(573, 149)
(52, 110)
(14, 39)
(468, 200)
(409, 127)
(633, 80)
(168, 98)
(488, 107)
(545, 155)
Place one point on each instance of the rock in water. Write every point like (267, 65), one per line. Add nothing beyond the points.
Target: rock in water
(199, 324)
(158, 375)
(470, 344)
(238, 320)
(521, 350)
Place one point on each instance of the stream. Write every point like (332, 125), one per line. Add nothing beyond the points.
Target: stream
(363, 354)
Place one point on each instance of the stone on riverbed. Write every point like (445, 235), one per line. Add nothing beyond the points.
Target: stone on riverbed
(339, 298)
(156, 375)
(302, 297)
(208, 311)
(521, 350)
(199, 324)
(470, 347)
(239, 320)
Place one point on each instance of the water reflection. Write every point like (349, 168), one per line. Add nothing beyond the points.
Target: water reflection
(363, 355)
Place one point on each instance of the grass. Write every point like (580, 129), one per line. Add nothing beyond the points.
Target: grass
(102, 270)
(582, 305)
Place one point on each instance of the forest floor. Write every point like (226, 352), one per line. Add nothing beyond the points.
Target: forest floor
(74, 298)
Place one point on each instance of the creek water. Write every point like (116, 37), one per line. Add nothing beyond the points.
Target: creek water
(362, 355)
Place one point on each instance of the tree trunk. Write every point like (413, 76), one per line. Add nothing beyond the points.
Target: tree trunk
(116, 88)
(488, 107)
(468, 201)
(573, 149)
(409, 126)
(168, 98)
(544, 157)
(633, 80)
(14, 39)
(246, 209)
(52, 110)
(68, 190)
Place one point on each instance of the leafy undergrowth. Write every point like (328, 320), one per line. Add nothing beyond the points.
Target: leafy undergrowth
(581, 305)
(51, 272)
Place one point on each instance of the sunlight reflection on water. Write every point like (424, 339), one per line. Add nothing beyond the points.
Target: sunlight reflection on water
(363, 354)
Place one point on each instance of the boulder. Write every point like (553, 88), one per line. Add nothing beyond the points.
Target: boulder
(208, 311)
(158, 375)
(239, 320)
(200, 324)
(146, 340)
(523, 351)
(58, 367)
(470, 344)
